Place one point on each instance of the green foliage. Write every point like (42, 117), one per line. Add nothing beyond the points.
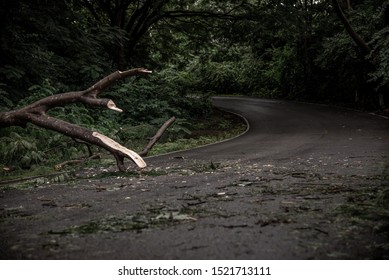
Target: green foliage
(38, 92)
(273, 49)
(5, 100)
(380, 56)
(160, 96)
(12, 73)
(288, 49)
(220, 77)
(18, 150)
(282, 73)
(338, 61)
(91, 72)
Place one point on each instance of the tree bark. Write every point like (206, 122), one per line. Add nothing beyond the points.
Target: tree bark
(137, 17)
(157, 136)
(354, 35)
(59, 166)
(361, 43)
(36, 113)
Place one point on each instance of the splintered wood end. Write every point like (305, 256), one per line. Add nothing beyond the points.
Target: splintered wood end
(111, 105)
(119, 148)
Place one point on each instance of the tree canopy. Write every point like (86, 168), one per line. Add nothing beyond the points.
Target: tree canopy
(292, 49)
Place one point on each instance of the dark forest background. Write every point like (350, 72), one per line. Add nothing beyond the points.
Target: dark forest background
(296, 49)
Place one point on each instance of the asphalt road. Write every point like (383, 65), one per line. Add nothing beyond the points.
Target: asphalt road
(288, 188)
(281, 130)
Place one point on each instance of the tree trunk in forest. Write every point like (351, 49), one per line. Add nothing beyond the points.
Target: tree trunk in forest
(348, 3)
(361, 43)
(354, 35)
(36, 113)
(120, 57)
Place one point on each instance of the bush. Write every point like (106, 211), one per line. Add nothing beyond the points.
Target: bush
(380, 56)
(20, 151)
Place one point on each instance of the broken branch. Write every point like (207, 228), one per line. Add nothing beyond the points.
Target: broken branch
(157, 136)
(59, 166)
(36, 113)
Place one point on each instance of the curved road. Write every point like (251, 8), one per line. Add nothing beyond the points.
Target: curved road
(286, 189)
(281, 129)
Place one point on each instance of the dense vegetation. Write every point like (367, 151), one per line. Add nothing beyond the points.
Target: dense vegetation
(294, 49)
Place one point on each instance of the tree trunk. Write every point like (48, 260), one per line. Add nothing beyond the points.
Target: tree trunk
(360, 43)
(348, 2)
(354, 35)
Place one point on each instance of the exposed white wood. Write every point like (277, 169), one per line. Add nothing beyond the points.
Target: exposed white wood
(116, 146)
(111, 105)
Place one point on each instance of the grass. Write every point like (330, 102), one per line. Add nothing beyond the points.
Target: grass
(217, 127)
(183, 144)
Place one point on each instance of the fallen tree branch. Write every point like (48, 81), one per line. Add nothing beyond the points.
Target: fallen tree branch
(157, 136)
(59, 166)
(86, 144)
(36, 113)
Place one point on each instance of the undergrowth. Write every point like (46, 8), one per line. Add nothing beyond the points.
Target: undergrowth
(180, 136)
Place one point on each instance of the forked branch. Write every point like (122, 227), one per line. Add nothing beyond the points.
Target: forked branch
(36, 113)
